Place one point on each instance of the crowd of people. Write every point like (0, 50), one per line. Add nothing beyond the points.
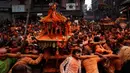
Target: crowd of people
(91, 49)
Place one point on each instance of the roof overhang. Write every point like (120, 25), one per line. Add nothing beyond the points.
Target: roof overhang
(126, 2)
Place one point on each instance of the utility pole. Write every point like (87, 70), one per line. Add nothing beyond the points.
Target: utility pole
(27, 19)
(128, 18)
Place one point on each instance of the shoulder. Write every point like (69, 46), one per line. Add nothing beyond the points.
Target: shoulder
(69, 58)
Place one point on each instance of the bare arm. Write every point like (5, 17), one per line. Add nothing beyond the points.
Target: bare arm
(87, 56)
(34, 62)
(112, 56)
(108, 56)
(19, 55)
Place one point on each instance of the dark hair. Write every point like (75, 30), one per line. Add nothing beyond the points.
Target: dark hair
(19, 68)
(120, 41)
(33, 38)
(96, 39)
(36, 47)
(76, 51)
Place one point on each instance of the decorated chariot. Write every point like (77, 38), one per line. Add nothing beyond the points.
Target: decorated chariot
(53, 38)
(107, 23)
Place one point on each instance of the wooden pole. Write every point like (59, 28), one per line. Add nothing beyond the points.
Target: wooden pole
(34, 56)
(21, 55)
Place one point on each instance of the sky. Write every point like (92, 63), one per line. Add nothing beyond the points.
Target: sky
(88, 2)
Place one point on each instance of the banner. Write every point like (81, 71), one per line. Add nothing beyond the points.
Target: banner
(70, 6)
(18, 8)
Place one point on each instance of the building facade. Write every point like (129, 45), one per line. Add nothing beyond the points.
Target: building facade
(70, 8)
(102, 8)
(95, 9)
(113, 8)
(12, 9)
(125, 9)
(5, 10)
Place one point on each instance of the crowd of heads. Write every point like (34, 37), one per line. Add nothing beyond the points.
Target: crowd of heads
(82, 41)
(13, 35)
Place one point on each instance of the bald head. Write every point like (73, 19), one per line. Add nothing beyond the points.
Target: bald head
(3, 52)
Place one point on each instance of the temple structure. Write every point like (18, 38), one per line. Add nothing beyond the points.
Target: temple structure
(56, 27)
